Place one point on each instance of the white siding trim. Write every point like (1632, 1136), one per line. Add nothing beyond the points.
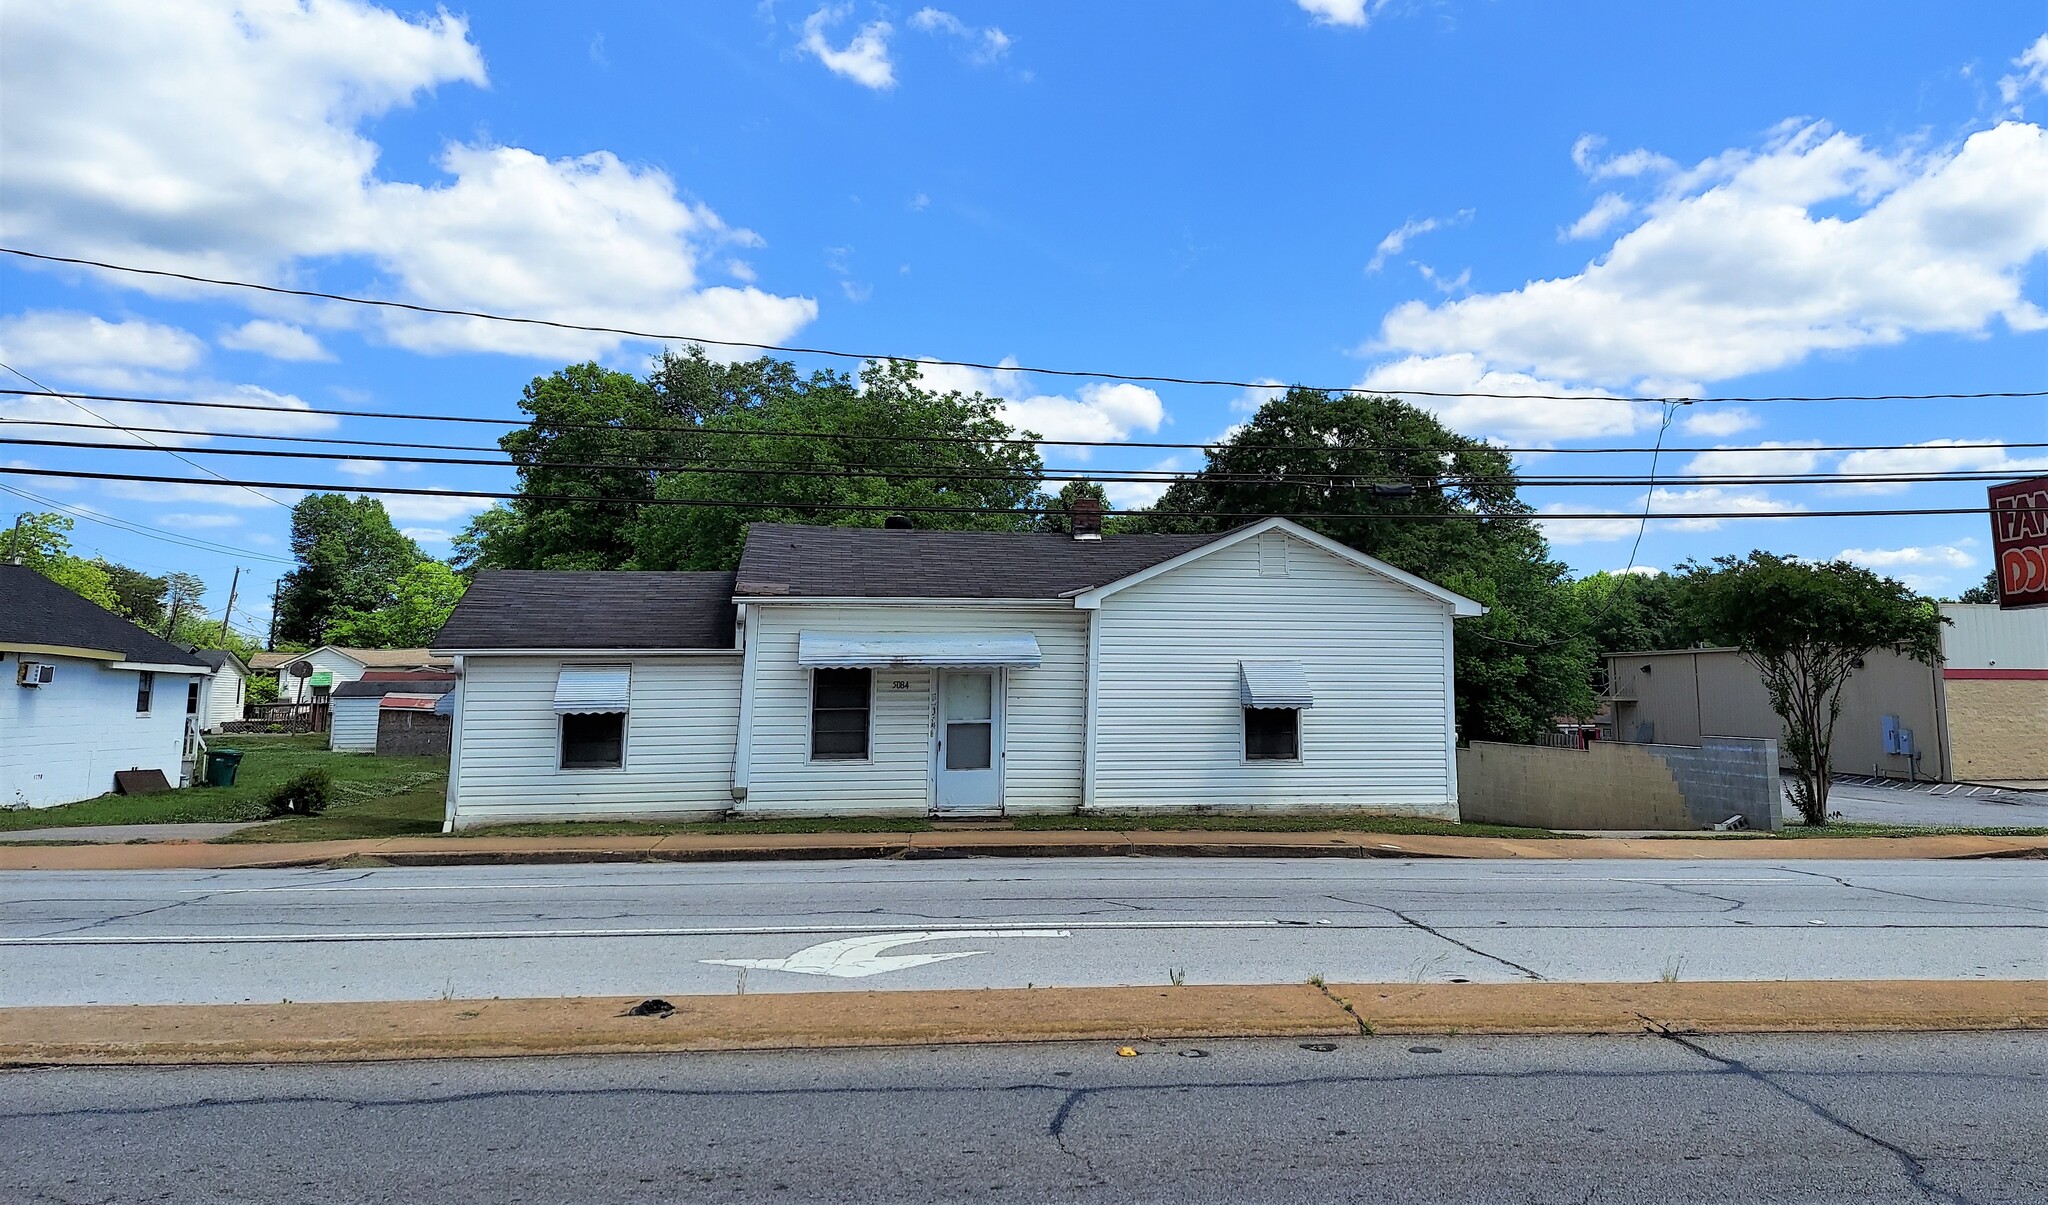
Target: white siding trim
(454, 752)
(1460, 605)
(1451, 715)
(743, 742)
(1091, 706)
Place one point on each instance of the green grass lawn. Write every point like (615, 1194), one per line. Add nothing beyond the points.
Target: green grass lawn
(373, 796)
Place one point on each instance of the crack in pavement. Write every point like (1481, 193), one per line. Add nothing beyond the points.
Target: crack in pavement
(1410, 921)
(1839, 881)
(1909, 1163)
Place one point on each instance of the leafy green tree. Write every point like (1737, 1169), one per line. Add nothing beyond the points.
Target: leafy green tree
(141, 595)
(1807, 627)
(570, 517)
(1985, 591)
(350, 558)
(43, 542)
(1351, 467)
(422, 600)
(889, 443)
(1634, 612)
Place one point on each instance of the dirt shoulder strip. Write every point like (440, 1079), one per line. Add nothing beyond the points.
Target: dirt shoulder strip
(486, 851)
(265, 1033)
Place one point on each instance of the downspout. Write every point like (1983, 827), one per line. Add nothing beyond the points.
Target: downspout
(1090, 707)
(743, 741)
(455, 747)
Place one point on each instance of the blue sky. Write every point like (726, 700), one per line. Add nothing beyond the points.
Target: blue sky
(1735, 198)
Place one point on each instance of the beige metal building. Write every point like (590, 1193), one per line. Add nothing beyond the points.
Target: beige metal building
(1980, 716)
(1677, 696)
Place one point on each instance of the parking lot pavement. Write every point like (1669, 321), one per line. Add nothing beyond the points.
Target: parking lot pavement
(1935, 806)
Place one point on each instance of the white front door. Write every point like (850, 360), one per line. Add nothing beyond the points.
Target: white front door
(970, 742)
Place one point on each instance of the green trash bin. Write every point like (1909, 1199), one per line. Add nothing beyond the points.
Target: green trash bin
(221, 765)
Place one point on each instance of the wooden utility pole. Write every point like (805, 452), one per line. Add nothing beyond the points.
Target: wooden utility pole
(14, 548)
(229, 613)
(276, 592)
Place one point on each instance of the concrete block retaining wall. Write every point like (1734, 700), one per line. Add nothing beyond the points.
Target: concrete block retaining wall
(1621, 786)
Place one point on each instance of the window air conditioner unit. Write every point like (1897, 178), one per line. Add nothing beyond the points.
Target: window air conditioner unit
(34, 673)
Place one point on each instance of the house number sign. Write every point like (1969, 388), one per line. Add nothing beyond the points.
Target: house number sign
(899, 684)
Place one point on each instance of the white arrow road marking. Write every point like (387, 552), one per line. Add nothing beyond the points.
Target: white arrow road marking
(856, 957)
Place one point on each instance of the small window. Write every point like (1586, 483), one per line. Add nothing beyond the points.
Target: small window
(594, 741)
(1272, 734)
(192, 697)
(839, 713)
(145, 686)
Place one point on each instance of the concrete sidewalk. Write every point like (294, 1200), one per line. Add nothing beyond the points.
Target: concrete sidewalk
(698, 847)
(253, 1033)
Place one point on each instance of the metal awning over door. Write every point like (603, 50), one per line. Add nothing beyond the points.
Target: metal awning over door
(1273, 683)
(901, 650)
(593, 689)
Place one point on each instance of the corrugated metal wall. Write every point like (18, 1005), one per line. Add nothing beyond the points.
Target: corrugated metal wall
(1169, 722)
(1980, 636)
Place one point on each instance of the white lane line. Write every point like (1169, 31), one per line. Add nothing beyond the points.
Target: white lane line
(643, 885)
(210, 939)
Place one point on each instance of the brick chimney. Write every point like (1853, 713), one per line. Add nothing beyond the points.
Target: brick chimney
(1084, 514)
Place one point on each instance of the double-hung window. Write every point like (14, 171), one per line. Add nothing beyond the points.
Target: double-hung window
(592, 703)
(841, 705)
(145, 687)
(1273, 694)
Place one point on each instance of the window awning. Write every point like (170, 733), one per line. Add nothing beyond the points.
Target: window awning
(1273, 684)
(582, 690)
(901, 650)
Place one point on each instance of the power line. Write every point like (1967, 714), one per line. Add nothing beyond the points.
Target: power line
(724, 503)
(140, 529)
(1339, 480)
(684, 430)
(1144, 378)
(47, 391)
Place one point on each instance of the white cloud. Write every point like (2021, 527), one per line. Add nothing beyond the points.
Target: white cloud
(1135, 495)
(1249, 401)
(1934, 456)
(2032, 75)
(1941, 555)
(84, 350)
(205, 495)
(360, 468)
(1583, 531)
(1540, 421)
(1354, 13)
(1609, 209)
(1095, 411)
(1398, 238)
(864, 60)
(983, 46)
(741, 271)
(1733, 271)
(1719, 421)
(236, 146)
(1625, 166)
(184, 519)
(1770, 458)
(1705, 501)
(428, 535)
(269, 414)
(429, 508)
(278, 340)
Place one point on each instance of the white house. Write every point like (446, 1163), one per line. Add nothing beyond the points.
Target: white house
(333, 665)
(863, 671)
(223, 692)
(84, 694)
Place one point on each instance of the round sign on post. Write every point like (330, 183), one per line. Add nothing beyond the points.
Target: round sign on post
(301, 669)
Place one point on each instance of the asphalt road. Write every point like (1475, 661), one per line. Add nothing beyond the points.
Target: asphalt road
(393, 934)
(1946, 1117)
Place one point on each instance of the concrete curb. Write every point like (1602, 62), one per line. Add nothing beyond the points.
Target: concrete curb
(489, 851)
(261, 1033)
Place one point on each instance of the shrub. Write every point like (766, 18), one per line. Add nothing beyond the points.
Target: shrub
(306, 795)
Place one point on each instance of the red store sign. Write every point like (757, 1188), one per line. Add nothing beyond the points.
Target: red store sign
(2019, 542)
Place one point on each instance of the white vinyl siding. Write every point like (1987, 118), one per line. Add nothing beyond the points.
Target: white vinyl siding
(62, 742)
(1043, 740)
(291, 689)
(352, 725)
(679, 743)
(1169, 727)
(221, 697)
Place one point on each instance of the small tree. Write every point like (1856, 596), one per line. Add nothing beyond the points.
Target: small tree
(1807, 627)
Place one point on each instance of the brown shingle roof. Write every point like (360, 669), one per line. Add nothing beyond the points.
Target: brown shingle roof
(789, 560)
